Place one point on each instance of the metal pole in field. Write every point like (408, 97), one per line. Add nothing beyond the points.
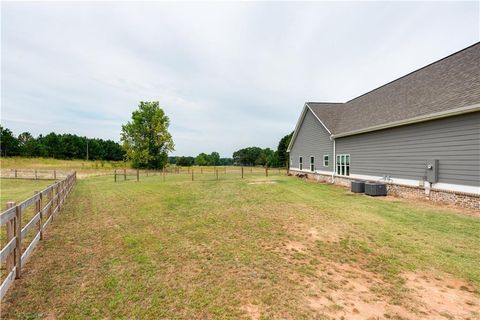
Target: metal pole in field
(15, 173)
(216, 173)
(124, 174)
(54, 174)
(36, 177)
(138, 174)
(225, 170)
(192, 175)
(242, 172)
(266, 171)
(115, 175)
(201, 170)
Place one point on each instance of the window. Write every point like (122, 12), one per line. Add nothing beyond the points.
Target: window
(312, 163)
(301, 163)
(325, 160)
(343, 164)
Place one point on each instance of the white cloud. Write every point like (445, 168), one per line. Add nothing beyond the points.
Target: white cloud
(228, 74)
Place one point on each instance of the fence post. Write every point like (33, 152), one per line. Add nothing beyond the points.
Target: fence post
(115, 175)
(242, 172)
(36, 177)
(50, 210)
(201, 170)
(15, 173)
(124, 174)
(163, 174)
(138, 174)
(18, 242)
(216, 170)
(10, 226)
(54, 174)
(266, 171)
(38, 209)
(192, 175)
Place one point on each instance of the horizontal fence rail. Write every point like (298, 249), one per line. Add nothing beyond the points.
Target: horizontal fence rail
(46, 205)
(197, 172)
(33, 174)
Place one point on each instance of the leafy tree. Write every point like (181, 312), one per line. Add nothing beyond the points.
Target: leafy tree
(146, 139)
(282, 153)
(214, 159)
(8, 142)
(185, 161)
(248, 156)
(53, 145)
(202, 159)
(27, 144)
(226, 161)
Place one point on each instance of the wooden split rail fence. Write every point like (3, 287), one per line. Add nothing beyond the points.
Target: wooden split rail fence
(32, 174)
(124, 174)
(46, 204)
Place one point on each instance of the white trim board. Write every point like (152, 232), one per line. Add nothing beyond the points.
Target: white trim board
(306, 108)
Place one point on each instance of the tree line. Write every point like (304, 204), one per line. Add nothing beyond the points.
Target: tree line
(250, 156)
(203, 159)
(256, 156)
(59, 146)
(146, 143)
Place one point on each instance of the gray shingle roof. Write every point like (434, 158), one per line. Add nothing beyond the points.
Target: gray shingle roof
(447, 84)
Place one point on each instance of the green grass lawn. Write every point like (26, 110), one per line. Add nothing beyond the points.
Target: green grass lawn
(229, 249)
(18, 189)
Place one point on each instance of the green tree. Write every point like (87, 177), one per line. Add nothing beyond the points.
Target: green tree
(214, 159)
(202, 159)
(282, 153)
(8, 142)
(185, 161)
(146, 139)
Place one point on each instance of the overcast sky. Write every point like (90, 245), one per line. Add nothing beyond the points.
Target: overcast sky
(229, 75)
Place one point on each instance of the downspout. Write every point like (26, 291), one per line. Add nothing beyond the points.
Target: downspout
(334, 160)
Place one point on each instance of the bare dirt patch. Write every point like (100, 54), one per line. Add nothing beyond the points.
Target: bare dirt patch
(263, 182)
(443, 296)
(348, 292)
(252, 311)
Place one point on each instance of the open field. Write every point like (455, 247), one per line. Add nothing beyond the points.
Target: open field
(18, 190)
(50, 163)
(260, 248)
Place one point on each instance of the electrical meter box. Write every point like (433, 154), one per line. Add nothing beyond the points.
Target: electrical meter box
(432, 170)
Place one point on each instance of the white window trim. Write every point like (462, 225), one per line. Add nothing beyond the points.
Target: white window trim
(337, 163)
(328, 156)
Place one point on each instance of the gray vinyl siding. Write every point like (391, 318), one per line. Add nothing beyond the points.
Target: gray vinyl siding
(312, 140)
(402, 152)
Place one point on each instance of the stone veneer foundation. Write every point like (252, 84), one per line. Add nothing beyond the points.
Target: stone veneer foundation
(461, 199)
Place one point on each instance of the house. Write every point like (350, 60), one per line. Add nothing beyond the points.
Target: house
(419, 133)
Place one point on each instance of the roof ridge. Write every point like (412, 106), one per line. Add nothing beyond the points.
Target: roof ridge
(324, 102)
